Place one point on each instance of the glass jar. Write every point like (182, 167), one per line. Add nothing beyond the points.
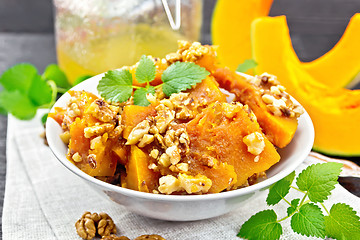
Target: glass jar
(93, 36)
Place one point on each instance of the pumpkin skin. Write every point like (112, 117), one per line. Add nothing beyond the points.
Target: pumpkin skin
(278, 129)
(230, 28)
(338, 67)
(335, 112)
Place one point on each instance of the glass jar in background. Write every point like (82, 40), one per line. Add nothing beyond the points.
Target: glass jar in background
(93, 36)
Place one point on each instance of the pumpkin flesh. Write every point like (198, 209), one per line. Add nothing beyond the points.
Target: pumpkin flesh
(334, 112)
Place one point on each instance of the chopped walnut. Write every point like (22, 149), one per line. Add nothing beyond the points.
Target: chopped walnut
(164, 160)
(98, 130)
(106, 225)
(102, 110)
(169, 184)
(91, 159)
(164, 117)
(173, 57)
(154, 153)
(86, 225)
(180, 167)
(174, 154)
(255, 143)
(96, 142)
(146, 139)
(230, 110)
(138, 132)
(275, 97)
(150, 237)
(76, 157)
(194, 184)
(65, 137)
(194, 52)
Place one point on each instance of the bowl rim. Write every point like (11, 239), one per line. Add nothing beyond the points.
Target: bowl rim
(304, 119)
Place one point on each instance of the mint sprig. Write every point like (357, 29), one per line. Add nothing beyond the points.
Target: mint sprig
(316, 183)
(140, 96)
(117, 85)
(181, 76)
(25, 91)
(146, 70)
(342, 222)
(246, 65)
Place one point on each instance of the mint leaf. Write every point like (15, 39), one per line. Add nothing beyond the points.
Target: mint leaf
(40, 92)
(319, 180)
(342, 223)
(44, 118)
(294, 205)
(53, 72)
(116, 86)
(246, 65)
(81, 79)
(140, 96)
(280, 189)
(145, 72)
(17, 104)
(262, 225)
(18, 77)
(2, 109)
(309, 221)
(181, 76)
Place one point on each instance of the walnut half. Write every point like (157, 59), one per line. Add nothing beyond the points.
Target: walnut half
(91, 223)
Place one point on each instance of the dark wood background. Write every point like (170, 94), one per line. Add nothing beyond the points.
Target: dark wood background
(26, 35)
(315, 25)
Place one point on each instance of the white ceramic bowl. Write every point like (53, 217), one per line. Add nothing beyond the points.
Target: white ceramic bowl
(183, 208)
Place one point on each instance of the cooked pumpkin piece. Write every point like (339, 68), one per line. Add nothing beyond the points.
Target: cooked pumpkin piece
(139, 176)
(218, 133)
(279, 128)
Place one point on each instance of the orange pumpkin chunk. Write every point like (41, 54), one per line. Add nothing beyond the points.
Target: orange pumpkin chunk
(139, 176)
(278, 129)
(219, 133)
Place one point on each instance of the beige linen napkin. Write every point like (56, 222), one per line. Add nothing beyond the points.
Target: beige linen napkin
(43, 199)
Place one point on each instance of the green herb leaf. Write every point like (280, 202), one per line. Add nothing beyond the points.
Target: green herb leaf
(140, 96)
(262, 225)
(2, 110)
(181, 76)
(81, 79)
(342, 223)
(19, 77)
(246, 65)
(319, 180)
(40, 92)
(280, 189)
(53, 72)
(44, 118)
(116, 86)
(145, 72)
(294, 205)
(18, 104)
(309, 221)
